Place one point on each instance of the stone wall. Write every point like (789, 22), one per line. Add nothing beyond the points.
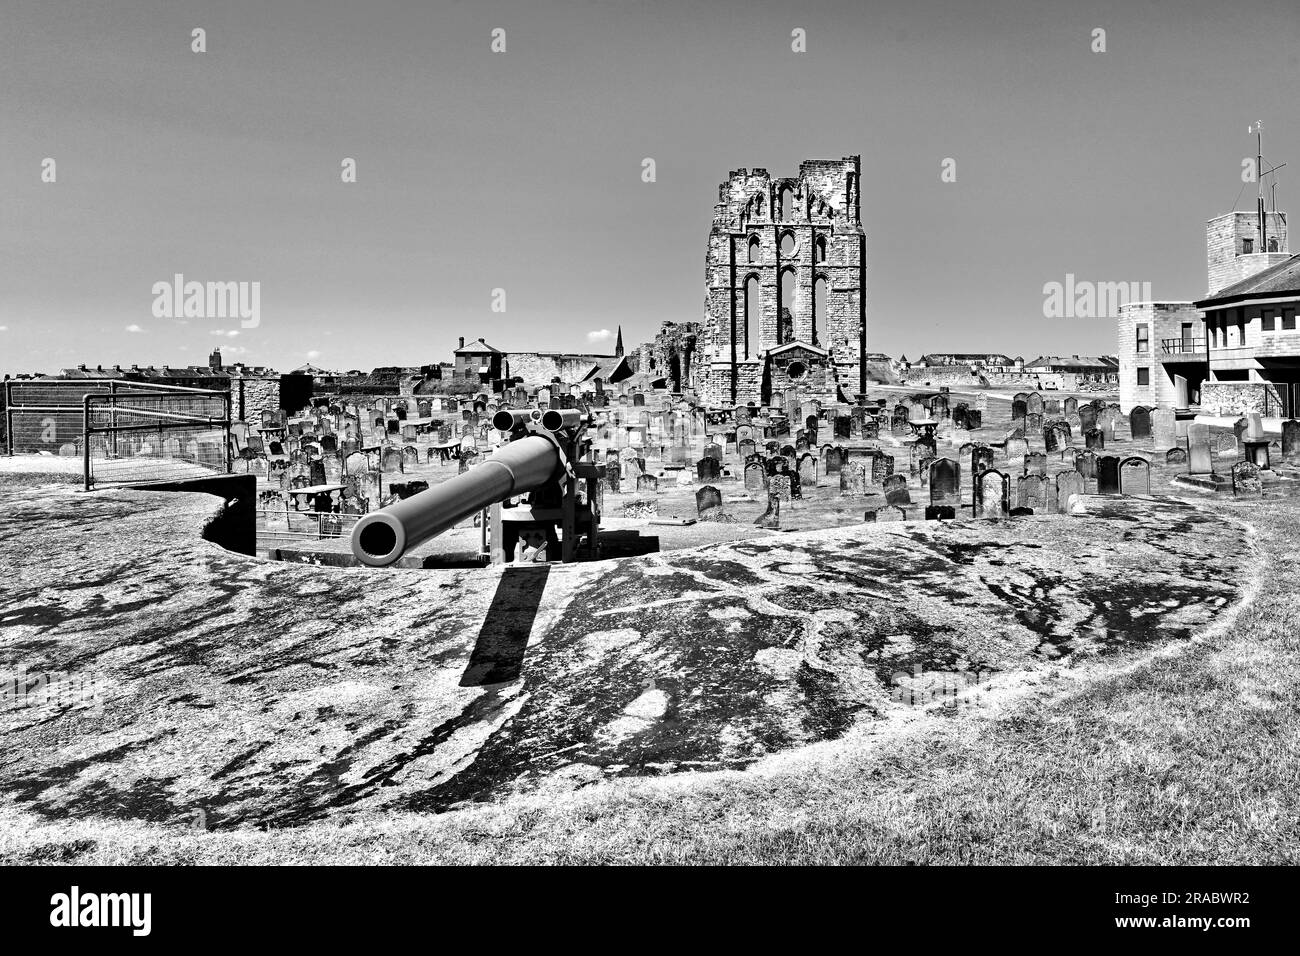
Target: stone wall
(250, 396)
(748, 275)
(1238, 398)
(542, 368)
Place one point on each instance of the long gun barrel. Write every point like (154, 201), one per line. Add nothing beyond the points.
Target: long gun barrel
(524, 464)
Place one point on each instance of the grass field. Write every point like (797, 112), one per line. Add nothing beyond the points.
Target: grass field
(1185, 755)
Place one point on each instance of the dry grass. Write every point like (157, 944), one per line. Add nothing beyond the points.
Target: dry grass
(1190, 756)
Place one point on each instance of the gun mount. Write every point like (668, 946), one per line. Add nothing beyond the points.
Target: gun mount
(544, 459)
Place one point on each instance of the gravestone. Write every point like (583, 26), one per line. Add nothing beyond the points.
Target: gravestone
(981, 459)
(1070, 406)
(896, 492)
(755, 475)
(647, 484)
(945, 483)
(1139, 423)
(708, 469)
(1291, 440)
(1018, 409)
(1086, 465)
(832, 459)
(1135, 476)
(1246, 482)
(882, 466)
(1200, 458)
(1094, 439)
(974, 419)
(808, 471)
(1032, 493)
(1087, 418)
(1035, 463)
(1068, 484)
(1016, 448)
(1108, 475)
(779, 487)
(713, 451)
(613, 477)
(1176, 456)
(1227, 445)
(707, 499)
(992, 494)
(771, 518)
(854, 477)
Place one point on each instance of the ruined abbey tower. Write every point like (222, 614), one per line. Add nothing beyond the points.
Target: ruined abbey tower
(786, 277)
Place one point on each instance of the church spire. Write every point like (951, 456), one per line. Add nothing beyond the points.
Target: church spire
(618, 345)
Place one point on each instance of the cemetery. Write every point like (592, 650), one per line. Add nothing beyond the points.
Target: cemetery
(728, 590)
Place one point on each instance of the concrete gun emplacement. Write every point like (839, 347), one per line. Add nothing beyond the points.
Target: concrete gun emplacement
(546, 456)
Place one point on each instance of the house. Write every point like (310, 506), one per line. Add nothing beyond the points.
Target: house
(1253, 345)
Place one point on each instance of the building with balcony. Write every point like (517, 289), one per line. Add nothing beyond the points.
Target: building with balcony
(1162, 360)
(1165, 356)
(1253, 343)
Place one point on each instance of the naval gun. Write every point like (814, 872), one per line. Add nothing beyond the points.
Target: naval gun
(546, 457)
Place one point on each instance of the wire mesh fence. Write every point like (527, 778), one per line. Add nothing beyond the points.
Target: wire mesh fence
(123, 432)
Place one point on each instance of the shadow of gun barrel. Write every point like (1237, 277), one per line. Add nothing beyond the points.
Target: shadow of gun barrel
(382, 537)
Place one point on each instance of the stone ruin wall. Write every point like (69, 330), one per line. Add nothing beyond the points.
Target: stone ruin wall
(825, 205)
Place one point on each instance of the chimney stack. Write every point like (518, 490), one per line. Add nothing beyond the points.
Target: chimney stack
(462, 342)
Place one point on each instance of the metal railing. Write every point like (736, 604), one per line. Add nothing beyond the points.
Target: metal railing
(1182, 346)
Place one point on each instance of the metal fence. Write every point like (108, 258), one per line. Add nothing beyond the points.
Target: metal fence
(123, 432)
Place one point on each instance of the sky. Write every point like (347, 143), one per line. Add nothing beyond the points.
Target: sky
(521, 170)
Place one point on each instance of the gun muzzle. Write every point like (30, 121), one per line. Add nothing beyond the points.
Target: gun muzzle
(555, 419)
(382, 537)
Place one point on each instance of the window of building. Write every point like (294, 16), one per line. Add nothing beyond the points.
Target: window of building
(786, 200)
(821, 248)
(1144, 376)
(1247, 246)
(1288, 320)
(787, 244)
(1144, 338)
(1268, 320)
(1272, 244)
(754, 247)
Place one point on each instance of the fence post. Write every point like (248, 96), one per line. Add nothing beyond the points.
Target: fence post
(85, 441)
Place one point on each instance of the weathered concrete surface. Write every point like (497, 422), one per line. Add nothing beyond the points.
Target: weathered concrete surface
(272, 693)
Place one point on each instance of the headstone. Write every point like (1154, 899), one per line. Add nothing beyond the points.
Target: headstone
(708, 469)
(647, 484)
(1246, 482)
(1176, 456)
(1087, 418)
(1227, 446)
(1094, 439)
(1200, 458)
(1108, 475)
(1035, 463)
(882, 466)
(896, 492)
(1164, 425)
(1291, 440)
(981, 459)
(707, 498)
(780, 487)
(1068, 485)
(1086, 465)
(992, 494)
(808, 471)
(1032, 493)
(945, 483)
(771, 518)
(854, 478)
(1135, 476)
(1139, 423)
